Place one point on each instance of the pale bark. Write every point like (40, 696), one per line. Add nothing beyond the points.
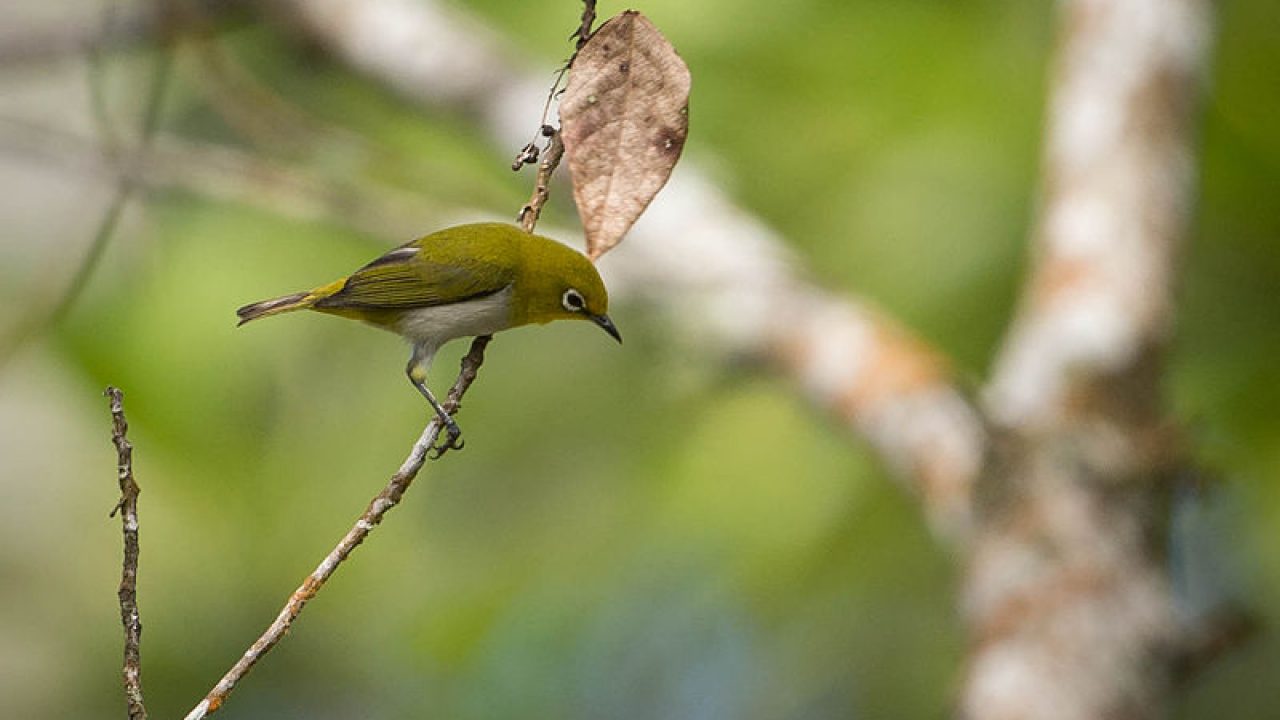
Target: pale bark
(1067, 594)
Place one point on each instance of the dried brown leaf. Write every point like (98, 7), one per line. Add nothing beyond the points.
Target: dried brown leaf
(624, 117)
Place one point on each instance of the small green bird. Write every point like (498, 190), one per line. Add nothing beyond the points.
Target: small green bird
(462, 281)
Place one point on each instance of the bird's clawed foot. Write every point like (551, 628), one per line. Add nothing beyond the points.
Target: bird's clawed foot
(452, 439)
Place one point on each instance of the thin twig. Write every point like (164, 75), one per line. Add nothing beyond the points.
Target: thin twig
(583, 33)
(372, 516)
(528, 154)
(128, 509)
(551, 155)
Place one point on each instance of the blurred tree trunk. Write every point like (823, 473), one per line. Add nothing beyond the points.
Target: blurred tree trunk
(1068, 597)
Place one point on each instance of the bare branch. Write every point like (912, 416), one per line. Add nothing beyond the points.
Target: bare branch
(551, 155)
(381, 504)
(583, 33)
(554, 151)
(128, 509)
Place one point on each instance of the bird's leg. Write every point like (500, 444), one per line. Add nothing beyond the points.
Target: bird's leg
(453, 433)
(417, 372)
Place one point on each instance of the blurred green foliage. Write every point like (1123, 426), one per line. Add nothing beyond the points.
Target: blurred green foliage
(629, 534)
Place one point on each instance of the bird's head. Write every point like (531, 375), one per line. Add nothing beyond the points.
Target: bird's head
(560, 283)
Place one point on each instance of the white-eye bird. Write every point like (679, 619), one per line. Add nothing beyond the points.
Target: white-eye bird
(463, 281)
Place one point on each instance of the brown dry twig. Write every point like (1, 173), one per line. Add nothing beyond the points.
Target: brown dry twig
(128, 509)
(583, 33)
(551, 155)
(529, 154)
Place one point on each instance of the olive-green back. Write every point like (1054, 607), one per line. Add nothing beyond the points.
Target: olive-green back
(453, 265)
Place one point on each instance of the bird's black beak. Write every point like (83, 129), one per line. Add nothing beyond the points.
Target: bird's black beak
(607, 325)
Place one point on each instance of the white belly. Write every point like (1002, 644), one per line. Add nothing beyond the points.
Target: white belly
(434, 326)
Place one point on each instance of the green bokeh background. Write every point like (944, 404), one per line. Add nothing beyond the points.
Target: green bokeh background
(632, 533)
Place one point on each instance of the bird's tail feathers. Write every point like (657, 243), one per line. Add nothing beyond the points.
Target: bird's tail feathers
(275, 306)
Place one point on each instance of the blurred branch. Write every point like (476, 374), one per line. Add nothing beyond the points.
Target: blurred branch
(160, 76)
(231, 175)
(29, 45)
(381, 504)
(128, 509)
(130, 24)
(1067, 592)
(736, 288)
(253, 108)
(125, 187)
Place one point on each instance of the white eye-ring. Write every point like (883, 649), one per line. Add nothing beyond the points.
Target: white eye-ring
(572, 300)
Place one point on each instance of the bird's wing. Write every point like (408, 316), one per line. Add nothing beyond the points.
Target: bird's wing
(403, 279)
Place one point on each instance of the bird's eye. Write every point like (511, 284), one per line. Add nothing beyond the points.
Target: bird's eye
(572, 300)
